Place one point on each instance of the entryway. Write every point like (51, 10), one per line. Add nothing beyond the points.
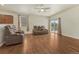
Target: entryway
(55, 25)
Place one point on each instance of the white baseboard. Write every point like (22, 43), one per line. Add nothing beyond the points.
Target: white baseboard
(71, 36)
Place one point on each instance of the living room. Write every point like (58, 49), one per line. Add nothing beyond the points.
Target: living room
(42, 39)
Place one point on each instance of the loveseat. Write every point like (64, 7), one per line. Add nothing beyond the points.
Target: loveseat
(39, 30)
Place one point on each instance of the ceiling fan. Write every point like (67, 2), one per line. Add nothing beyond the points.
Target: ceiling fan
(42, 8)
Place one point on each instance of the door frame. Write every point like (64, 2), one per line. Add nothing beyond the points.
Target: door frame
(59, 31)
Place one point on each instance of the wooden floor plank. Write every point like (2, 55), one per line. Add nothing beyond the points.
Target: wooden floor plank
(43, 44)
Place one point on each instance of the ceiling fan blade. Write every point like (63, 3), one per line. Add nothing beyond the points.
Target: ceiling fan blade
(42, 8)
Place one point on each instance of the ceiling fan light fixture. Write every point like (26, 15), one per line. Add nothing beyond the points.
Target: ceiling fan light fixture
(42, 10)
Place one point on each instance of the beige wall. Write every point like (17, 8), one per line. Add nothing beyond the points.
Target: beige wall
(70, 22)
(37, 20)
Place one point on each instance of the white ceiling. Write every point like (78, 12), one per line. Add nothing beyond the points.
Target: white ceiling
(30, 8)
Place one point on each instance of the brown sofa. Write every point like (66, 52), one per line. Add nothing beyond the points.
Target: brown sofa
(10, 38)
(39, 30)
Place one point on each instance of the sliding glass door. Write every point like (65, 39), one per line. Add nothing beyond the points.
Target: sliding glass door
(54, 25)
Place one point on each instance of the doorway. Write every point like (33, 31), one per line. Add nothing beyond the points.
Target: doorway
(54, 25)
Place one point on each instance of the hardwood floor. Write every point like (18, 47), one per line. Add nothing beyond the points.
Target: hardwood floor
(43, 44)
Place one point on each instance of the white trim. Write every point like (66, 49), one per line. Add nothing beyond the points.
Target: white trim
(71, 36)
